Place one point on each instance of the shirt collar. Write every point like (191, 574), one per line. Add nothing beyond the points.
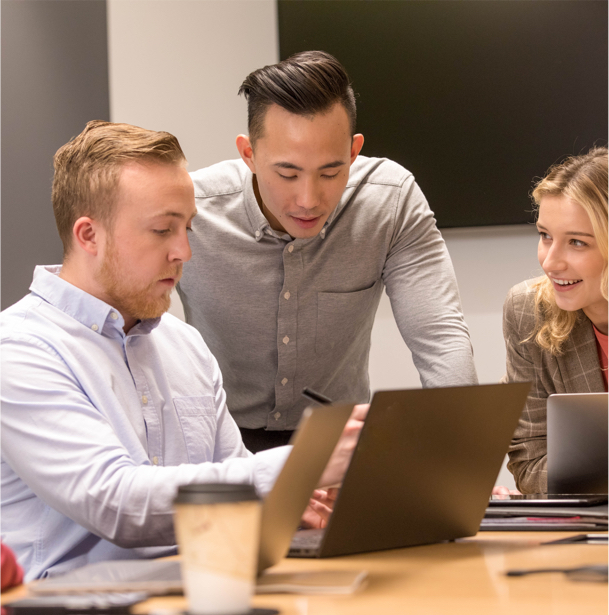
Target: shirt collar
(260, 225)
(90, 311)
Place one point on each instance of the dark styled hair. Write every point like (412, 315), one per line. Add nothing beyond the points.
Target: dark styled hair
(87, 170)
(307, 83)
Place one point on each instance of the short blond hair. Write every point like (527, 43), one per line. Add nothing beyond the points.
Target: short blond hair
(87, 170)
(583, 180)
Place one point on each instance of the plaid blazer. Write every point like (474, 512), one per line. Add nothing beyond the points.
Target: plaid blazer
(576, 370)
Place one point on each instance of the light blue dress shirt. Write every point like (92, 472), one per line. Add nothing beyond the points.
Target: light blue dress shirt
(99, 428)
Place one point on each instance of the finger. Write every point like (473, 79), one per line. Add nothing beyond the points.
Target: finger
(359, 412)
(322, 496)
(310, 519)
(500, 490)
(321, 509)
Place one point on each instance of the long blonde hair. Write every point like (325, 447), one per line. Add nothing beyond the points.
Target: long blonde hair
(583, 180)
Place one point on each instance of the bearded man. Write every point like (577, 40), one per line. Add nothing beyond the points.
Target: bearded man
(108, 405)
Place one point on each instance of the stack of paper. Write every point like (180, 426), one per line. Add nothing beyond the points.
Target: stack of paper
(550, 518)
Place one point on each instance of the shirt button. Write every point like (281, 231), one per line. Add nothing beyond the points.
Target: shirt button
(257, 233)
(155, 460)
(284, 381)
(290, 248)
(94, 327)
(287, 295)
(144, 399)
(114, 315)
(286, 339)
(277, 415)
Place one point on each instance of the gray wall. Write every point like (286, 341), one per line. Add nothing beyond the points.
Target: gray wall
(54, 80)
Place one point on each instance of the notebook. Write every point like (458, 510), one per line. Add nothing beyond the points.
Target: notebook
(560, 518)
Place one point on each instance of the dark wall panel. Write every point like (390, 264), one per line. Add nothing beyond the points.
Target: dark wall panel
(476, 98)
(54, 80)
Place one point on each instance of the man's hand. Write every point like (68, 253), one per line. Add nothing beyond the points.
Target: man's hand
(319, 509)
(339, 461)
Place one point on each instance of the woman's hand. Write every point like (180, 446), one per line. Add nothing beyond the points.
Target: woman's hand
(500, 490)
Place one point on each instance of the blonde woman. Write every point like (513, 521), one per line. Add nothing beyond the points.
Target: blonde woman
(555, 326)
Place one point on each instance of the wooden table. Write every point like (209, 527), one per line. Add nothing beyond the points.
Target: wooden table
(465, 577)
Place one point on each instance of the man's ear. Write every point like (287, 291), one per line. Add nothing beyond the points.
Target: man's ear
(86, 233)
(356, 146)
(246, 151)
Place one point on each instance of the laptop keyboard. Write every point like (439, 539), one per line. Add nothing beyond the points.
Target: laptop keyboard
(307, 539)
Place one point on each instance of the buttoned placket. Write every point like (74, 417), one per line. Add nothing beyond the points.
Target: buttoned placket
(147, 403)
(287, 319)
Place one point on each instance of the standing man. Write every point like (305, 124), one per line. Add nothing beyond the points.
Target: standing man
(292, 246)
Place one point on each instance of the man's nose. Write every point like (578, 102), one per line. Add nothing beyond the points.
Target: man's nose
(181, 250)
(309, 196)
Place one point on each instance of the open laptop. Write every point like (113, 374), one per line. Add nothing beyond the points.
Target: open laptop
(577, 443)
(313, 444)
(423, 470)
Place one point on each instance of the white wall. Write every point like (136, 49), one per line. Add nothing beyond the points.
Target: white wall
(177, 65)
(488, 261)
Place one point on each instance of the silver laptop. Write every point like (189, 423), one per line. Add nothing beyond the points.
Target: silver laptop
(577, 443)
(423, 470)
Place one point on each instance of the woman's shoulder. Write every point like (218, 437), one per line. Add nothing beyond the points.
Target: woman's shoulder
(519, 306)
(523, 294)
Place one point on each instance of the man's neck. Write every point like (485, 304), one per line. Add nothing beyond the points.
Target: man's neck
(85, 281)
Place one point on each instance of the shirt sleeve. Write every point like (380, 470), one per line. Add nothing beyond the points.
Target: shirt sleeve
(528, 450)
(67, 452)
(422, 288)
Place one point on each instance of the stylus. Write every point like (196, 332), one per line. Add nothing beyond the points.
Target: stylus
(322, 400)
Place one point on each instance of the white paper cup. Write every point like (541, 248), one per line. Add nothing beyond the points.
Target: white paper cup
(217, 528)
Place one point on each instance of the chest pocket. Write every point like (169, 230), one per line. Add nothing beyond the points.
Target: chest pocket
(198, 421)
(343, 317)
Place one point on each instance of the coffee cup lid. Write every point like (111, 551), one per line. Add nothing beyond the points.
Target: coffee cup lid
(215, 493)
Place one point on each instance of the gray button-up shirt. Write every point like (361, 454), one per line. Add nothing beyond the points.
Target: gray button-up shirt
(280, 313)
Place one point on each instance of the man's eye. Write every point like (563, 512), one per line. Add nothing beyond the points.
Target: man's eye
(287, 176)
(161, 231)
(330, 176)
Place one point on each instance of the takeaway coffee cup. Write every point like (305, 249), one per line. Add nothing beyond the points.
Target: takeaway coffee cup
(217, 528)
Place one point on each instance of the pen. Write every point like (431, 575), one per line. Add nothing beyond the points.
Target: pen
(322, 400)
(591, 539)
